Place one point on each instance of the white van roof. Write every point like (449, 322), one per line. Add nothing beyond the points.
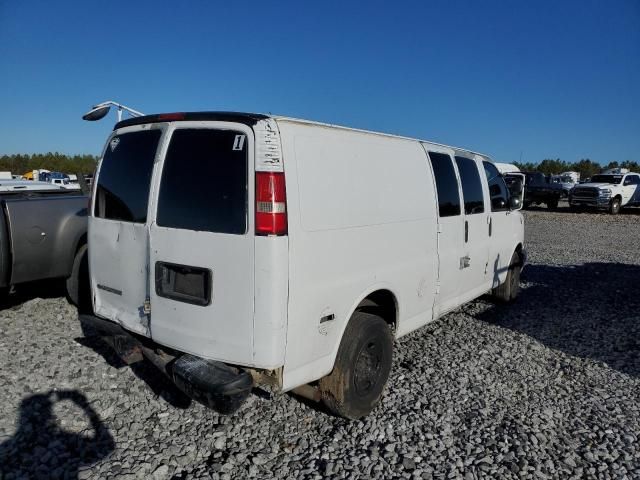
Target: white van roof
(252, 118)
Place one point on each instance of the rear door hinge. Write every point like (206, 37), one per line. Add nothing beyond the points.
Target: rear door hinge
(146, 307)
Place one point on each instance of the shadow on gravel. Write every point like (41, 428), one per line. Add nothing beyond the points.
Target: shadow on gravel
(41, 448)
(28, 291)
(588, 311)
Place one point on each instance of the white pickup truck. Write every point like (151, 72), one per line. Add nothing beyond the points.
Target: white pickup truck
(608, 191)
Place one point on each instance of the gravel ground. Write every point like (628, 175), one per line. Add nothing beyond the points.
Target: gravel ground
(546, 388)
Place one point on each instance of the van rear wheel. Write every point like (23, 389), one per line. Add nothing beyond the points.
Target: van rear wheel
(508, 291)
(355, 385)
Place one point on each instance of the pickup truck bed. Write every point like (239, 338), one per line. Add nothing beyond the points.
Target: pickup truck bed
(537, 190)
(40, 234)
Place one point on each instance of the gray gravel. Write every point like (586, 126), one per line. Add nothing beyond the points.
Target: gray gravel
(546, 388)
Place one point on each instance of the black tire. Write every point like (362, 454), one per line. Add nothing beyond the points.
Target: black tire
(355, 385)
(614, 206)
(4, 295)
(78, 286)
(508, 291)
(552, 204)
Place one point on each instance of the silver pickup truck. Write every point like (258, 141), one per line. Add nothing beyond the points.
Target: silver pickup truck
(43, 235)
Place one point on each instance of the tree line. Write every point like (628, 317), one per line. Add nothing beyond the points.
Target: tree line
(587, 168)
(58, 162)
(19, 164)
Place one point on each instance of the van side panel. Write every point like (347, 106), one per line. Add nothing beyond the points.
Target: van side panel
(362, 217)
(270, 300)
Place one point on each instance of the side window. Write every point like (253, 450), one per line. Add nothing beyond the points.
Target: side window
(632, 180)
(471, 186)
(446, 184)
(497, 188)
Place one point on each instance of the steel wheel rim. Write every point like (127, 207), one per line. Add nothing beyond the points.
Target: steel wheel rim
(367, 369)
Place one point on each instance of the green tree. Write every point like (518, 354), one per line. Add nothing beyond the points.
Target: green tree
(586, 168)
(19, 164)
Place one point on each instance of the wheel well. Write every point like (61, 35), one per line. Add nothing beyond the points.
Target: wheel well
(382, 303)
(519, 252)
(81, 241)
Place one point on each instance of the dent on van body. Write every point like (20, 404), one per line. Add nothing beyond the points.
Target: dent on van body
(118, 265)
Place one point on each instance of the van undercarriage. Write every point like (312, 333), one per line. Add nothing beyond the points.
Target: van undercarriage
(217, 385)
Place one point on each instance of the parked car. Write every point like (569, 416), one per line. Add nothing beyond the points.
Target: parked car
(609, 191)
(294, 257)
(43, 234)
(567, 180)
(538, 189)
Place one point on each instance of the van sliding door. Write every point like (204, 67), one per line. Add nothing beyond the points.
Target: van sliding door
(474, 263)
(450, 231)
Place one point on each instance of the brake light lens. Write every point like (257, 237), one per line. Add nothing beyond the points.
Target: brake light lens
(167, 117)
(271, 204)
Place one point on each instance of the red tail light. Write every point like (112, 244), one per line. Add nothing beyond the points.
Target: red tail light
(271, 204)
(167, 117)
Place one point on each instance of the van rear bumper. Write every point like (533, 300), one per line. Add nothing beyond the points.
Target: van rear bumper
(217, 385)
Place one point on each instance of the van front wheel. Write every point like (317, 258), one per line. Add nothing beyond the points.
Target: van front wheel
(355, 385)
(508, 291)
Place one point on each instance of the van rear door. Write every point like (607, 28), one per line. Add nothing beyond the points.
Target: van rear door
(118, 228)
(202, 242)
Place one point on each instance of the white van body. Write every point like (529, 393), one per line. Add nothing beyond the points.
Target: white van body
(506, 167)
(362, 222)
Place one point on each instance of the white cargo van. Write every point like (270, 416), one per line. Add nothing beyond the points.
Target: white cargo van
(236, 249)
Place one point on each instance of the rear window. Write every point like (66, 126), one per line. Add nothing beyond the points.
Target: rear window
(122, 192)
(204, 182)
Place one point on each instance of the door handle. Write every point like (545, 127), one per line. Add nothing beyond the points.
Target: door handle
(490, 226)
(466, 231)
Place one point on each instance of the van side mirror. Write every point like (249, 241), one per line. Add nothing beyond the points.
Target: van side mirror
(515, 185)
(498, 203)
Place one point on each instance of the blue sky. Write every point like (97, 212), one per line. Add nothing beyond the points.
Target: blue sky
(541, 79)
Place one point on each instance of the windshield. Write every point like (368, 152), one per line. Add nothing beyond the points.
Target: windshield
(613, 179)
